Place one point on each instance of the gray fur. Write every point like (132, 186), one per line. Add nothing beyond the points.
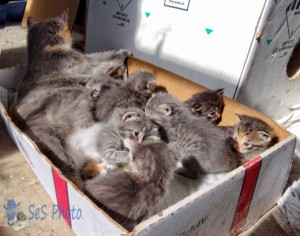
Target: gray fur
(209, 104)
(204, 147)
(55, 96)
(109, 142)
(130, 196)
(134, 92)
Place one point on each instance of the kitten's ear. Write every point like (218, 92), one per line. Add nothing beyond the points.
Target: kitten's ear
(31, 21)
(265, 136)
(151, 85)
(219, 91)
(166, 109)
(238, 117)
(64, 16)
(197, 108)
(130, 116)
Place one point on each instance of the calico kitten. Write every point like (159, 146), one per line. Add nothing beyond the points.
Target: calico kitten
(130, 195)
(252, 136)
(132, 93)
(209, 104)
(51, 101)
(110, 142)
(204, 147)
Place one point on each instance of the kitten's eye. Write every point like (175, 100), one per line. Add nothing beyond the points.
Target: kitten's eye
(212, 113)
(136, 134)
(245, 144)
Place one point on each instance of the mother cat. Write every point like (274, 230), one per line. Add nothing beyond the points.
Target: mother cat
(46, 111)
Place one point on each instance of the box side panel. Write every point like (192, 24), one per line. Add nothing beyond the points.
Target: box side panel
(194, 39)
(37, 162)
(276, 164)
(266, 86)
(87, 219)
(200, 213)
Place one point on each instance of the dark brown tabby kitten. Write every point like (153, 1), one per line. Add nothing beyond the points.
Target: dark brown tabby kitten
(209, 104)
(52, 99)
(252, 136)
(134, 92)
(204, 148)
(130, 194)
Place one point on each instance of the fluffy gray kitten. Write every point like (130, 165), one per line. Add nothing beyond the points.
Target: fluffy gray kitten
(110, 142)
(56, 96)
(134, 92)
(129, 195)
(204, 147)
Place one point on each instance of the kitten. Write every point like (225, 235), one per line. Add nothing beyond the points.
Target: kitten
(209, 104)
(130, 195)
(204, 147)
(109, 142)
(134, 92)
(252, 136)
(47, 111)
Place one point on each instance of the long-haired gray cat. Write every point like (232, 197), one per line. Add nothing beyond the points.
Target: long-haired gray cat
(47, 112)
(204, 147)
(129, 195)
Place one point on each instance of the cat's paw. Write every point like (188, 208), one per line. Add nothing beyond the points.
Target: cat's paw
(122, 54)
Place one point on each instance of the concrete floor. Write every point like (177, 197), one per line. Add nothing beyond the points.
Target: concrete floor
(18, 182)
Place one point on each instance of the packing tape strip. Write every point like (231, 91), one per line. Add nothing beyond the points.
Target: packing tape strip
(252, 169)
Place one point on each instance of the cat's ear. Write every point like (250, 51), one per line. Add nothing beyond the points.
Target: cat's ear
(166, 109)
(31, 21)
(130, 116)
(197, 108)
(265, 136)
(151, 85)
(64, 16)
(219, 91)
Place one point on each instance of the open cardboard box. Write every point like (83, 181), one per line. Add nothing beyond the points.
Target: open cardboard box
(228, 206)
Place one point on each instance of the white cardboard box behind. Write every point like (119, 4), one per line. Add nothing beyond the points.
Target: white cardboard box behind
(233, 203)
(210, 42)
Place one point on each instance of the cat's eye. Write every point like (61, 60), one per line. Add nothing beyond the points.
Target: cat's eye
(245, 144)
(136, 134)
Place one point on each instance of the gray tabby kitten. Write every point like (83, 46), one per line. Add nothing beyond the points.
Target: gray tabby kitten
(52, 100)
(109, 142)
(134, 92)
(209, 104)
(204, 147)
(130, 195)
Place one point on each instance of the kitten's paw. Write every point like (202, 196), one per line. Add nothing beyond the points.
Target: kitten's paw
(122, 54)
(117, 71)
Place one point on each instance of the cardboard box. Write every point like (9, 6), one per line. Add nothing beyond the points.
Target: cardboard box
(44, 9)
(228, 206)
(242, 46)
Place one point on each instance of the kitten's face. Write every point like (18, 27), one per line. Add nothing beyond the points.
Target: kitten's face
(49, 33)
(161, 107)
(132, 124)
(252, 134)
(209, 104)
(143, 82)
